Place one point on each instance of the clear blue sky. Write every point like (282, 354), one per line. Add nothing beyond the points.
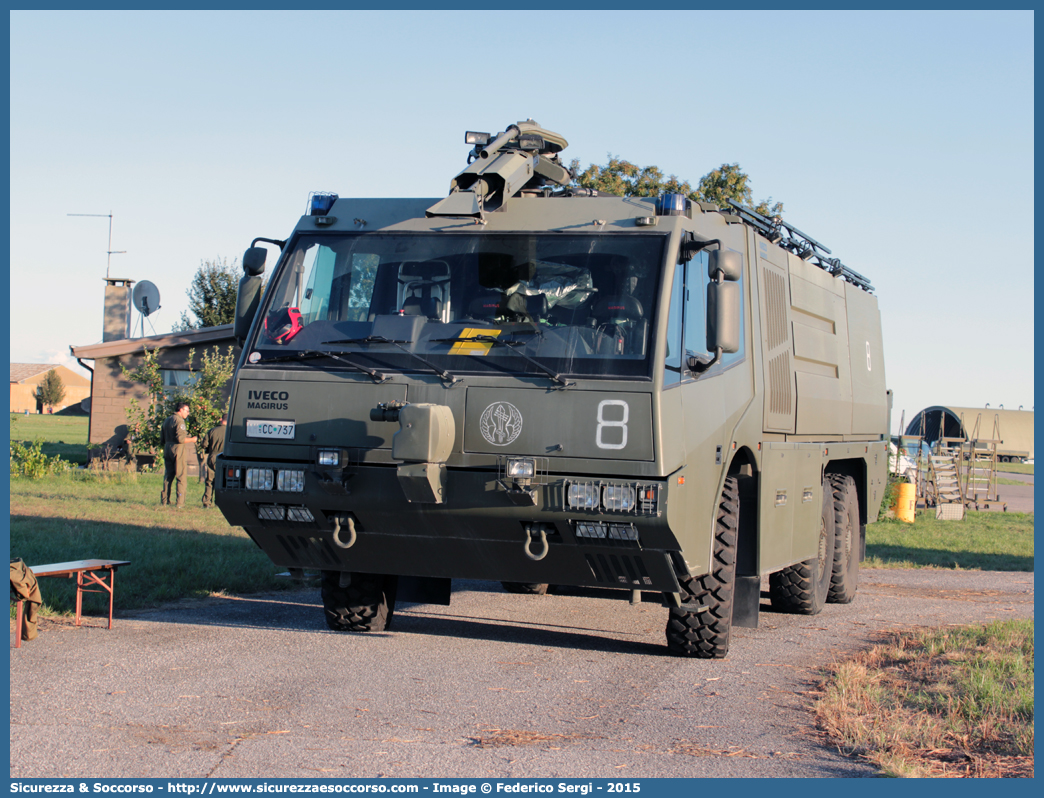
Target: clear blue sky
(901, 140)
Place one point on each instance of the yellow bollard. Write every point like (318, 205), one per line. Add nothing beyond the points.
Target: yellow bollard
(907, 501)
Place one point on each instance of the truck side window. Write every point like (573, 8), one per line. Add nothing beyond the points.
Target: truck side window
(672, 372)
(314, 304)
(696, 305)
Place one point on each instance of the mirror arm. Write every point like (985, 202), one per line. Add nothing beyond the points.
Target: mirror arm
(692, 246)
(697, 366)
(280, 244)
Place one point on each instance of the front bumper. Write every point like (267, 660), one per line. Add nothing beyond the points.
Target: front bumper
(479, 531)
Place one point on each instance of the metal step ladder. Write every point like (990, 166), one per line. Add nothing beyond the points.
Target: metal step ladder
(944, 479)
(980, 466)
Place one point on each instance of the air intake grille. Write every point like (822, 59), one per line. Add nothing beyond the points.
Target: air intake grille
(779, 384)
(775, 309)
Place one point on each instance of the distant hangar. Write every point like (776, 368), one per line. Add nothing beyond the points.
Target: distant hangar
(968, 423)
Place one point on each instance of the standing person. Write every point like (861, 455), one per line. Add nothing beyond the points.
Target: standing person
(213, 444)
(173, 437)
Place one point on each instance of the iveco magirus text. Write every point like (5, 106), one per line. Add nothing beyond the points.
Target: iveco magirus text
(535, 383)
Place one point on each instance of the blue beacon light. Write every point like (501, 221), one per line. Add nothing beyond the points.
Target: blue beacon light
(321, 202)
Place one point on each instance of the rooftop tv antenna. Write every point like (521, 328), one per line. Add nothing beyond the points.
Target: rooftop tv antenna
(146, 298)
(110, 252)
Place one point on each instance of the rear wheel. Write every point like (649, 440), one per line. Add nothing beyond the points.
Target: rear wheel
(705, 632)
(526, 588)
(366, 605)
(803, 588)
(844, 580)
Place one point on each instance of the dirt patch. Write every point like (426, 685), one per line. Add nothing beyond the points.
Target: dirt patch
(695, 749)
(945, 595)
(492, 738)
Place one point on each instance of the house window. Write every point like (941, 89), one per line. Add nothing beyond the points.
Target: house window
(178, 378)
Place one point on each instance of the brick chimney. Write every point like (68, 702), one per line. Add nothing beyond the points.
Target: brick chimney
(117, 322)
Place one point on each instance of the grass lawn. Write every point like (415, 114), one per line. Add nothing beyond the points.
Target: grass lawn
(986, 541)
(953, 702)
(64, 435)
(1016, 468)
(173, 553)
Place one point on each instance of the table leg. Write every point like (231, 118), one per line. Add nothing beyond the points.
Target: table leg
(112, 591)
(79, 595)
(18, 622)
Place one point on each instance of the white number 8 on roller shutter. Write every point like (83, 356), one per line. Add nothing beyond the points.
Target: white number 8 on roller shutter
(604, 423)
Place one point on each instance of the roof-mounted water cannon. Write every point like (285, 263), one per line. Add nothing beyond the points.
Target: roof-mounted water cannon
(522, 158)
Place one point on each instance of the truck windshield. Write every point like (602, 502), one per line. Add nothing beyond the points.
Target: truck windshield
(575, 304)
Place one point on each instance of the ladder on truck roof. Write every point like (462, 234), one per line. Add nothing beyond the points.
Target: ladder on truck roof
(804, 246)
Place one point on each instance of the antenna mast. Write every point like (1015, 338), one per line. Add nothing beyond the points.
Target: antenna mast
(110, 252)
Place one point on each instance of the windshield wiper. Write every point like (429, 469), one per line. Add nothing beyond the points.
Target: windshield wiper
(492, 339)
(380, 339)
(310, 354)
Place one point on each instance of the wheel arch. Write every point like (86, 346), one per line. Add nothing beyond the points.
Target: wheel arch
(855, 468)
(744, 467)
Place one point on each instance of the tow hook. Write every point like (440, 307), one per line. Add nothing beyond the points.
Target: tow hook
(350, 523)
(535, 533)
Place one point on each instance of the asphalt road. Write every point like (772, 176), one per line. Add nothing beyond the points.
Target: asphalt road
(1015, 498)
(496, 685)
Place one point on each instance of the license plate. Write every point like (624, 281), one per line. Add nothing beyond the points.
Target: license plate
(282, 430)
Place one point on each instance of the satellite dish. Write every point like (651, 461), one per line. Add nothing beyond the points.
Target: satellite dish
(146, 297)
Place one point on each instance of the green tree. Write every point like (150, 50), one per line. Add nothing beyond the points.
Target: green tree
(728, 181)
(52, 389)
(212, 295)
(625, 179)
(203, 395)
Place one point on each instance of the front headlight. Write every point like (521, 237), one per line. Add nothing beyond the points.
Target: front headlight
(259, 478)
(618, 498)
(290, 480)
(521, 467)
(582, 496)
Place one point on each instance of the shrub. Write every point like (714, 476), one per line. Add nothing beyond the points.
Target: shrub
(30, 461)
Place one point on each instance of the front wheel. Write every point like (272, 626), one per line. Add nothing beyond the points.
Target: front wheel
(366, 605)
(802, 588)
(704, 632)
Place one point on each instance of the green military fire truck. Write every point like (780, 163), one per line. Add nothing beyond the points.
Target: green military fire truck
(539, 384)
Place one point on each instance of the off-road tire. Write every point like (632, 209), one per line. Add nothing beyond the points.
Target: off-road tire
(705, 634)
(844, 579)
(802, 588)
(366, 605)
(526, 588)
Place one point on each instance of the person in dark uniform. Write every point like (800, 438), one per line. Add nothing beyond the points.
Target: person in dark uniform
(173, 437)
(213, 444)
